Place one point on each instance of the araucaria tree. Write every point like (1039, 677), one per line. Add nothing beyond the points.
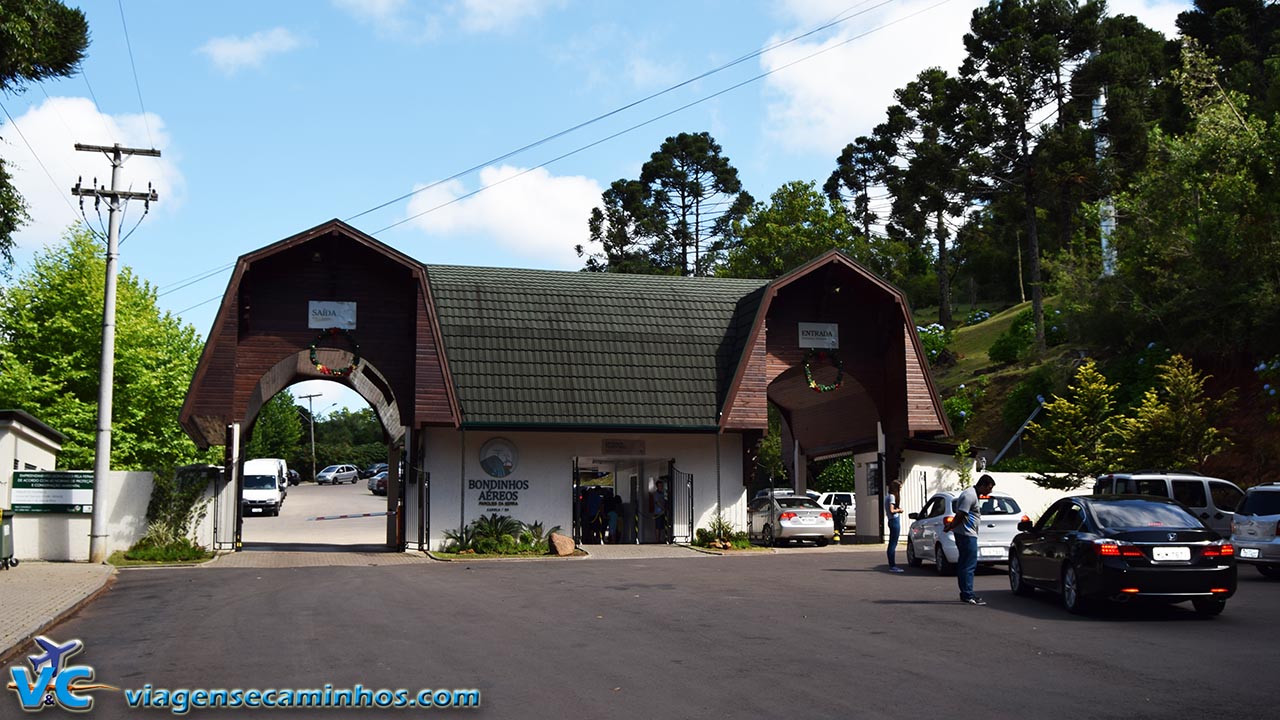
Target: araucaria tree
(677, 218)
(39, 39)
(50, 346)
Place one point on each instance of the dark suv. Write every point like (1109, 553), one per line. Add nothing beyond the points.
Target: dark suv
(1213, 500)
(1254, 530)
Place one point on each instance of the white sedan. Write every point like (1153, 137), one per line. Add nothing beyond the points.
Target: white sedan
(926, 540)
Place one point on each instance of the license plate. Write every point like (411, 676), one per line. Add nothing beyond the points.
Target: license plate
(1171, 553)
(1250, 553)
(991, 552)
(808, 520)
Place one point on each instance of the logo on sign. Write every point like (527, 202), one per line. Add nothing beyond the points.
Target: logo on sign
(51, 682)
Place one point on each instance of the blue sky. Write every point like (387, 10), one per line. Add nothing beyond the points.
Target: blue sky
(273, 117)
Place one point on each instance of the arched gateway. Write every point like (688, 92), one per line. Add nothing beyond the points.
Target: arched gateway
(554, 397)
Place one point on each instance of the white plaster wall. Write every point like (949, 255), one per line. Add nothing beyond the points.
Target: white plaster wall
(926, 473)
(17, 442)
(546, 464)
(65, 536)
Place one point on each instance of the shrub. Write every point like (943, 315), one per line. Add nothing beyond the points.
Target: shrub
(976, 316)
(960, 406)
(1014, 343)
(177, 550)
(935, 339)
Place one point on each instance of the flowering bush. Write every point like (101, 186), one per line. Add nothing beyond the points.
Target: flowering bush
(935, 340)
(1269, 374)
(960, 406)
(1013, 343)
(976, 316)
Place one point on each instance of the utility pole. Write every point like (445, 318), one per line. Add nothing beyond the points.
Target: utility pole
(311, 418)
(115, 198)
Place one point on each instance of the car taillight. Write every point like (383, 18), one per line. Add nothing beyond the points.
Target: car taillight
(1219, 550)
(1026, 518)
(948, 520)
(825, 515)
(787, 516)
(1112, 548)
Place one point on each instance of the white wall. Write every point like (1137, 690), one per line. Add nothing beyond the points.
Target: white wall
(546, 465)
(27, 447)
(65, 536)
(926, 473)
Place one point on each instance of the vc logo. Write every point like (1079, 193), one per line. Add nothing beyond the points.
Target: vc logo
(51, 682)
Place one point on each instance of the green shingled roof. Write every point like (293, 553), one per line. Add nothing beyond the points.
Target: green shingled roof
(547, 348)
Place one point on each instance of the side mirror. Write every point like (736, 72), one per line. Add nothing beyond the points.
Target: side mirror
(1025, 526)
(914, 516)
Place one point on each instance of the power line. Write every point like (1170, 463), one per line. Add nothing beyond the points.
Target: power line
(650, 121)
(96, 105)
(35, 155)
(136, 84)
(628, 106)
(188, 282)
(839, 18)
(203, 302)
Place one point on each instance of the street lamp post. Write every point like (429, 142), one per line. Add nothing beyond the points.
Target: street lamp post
(311, 419)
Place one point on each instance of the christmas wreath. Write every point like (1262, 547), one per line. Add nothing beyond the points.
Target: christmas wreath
(815, 355)
(336, 372)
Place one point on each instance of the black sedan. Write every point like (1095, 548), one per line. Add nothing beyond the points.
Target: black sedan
(1122, 548)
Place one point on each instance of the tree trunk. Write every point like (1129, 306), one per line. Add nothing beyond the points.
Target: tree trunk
(944, 277)
(1033, 248)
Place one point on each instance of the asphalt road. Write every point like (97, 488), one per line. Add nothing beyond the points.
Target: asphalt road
(294, 526)
(797, 635)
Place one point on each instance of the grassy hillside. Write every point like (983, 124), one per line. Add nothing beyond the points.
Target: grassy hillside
(1003, 406)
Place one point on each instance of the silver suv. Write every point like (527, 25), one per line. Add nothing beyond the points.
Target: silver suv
(1254, 530)
(1211, 499)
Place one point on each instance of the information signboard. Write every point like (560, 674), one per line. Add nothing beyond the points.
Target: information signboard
(53, 491)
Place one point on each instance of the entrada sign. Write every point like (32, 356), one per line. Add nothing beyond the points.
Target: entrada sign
(823, 336)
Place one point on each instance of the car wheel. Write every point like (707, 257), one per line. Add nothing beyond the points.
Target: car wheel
(822, 542)
(1209, 607)
(1072, 600)
(1270, 571)
(940, 562)
(1017, 583)
(912, 560)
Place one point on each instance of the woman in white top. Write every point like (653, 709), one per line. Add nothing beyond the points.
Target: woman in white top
(893, 514)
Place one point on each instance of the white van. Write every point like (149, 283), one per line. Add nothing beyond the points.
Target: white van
(265, 481)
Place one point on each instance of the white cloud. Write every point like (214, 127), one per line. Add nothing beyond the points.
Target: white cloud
(53, 128)
(1155, 15)
(232, 54)
(823, 103)
(646, 72)
(534, 216)
(398, 18)
(490, 15)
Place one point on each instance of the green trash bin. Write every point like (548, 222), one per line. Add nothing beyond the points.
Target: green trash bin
(6, 540)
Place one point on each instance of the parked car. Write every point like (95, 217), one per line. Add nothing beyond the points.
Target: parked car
(774, 492)
(1123, 548)
(1213, 500)
(777, 519)
(926, 540)
(372, 470)
(833, 500)
(264, 487)
(378, 483)
(1255, 530)
(294, 478)
(335, 474)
